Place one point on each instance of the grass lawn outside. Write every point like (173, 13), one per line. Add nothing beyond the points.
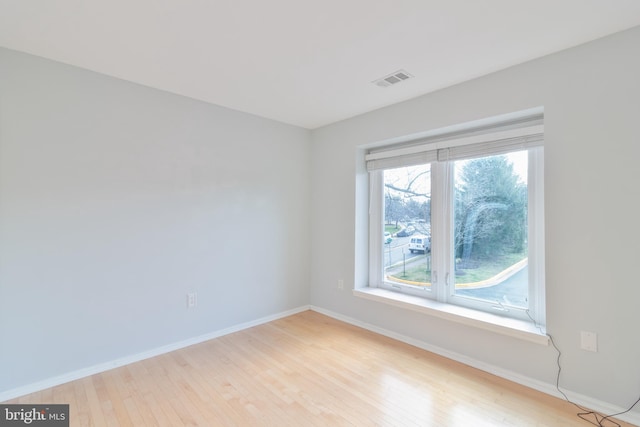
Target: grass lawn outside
(419, 271)
(391, 228)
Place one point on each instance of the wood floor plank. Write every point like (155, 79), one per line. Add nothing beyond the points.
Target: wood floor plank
(306, 369)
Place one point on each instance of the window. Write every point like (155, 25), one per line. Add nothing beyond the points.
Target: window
(458, 218)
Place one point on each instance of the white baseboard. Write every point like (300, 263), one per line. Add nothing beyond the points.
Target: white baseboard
(582, 400)
(102, 367)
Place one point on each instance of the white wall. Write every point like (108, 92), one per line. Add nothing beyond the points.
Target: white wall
(591, 97)
(116, 200)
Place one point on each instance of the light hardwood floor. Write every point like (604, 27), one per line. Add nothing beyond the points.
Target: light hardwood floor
(304, 370)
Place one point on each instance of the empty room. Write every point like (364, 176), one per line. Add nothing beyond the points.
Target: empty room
(291, 213)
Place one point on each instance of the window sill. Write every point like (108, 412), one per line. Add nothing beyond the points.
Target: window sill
(502, 325)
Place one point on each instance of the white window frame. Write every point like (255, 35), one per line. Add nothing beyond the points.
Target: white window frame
(498, 138)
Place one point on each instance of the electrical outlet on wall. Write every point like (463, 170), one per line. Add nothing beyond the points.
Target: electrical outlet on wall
(340, 284)
(588, 341)
(192, 299)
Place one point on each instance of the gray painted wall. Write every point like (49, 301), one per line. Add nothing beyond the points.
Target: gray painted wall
(116, 200)
(591, 96)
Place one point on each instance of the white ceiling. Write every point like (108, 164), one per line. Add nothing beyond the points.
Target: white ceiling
(303, 62)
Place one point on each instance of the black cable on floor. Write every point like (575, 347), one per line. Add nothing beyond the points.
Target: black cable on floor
(599, 418)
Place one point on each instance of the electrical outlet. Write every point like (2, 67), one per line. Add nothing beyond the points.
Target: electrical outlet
(588, 341)
(340, 284)
(192, 300)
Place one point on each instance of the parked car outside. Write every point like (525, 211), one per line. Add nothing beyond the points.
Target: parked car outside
(420, 243)
(387, 237)
(408, 231)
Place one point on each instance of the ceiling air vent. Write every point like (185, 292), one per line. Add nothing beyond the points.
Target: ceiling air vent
(393, 78)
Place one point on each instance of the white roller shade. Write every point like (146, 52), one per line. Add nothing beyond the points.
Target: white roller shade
(498, 139)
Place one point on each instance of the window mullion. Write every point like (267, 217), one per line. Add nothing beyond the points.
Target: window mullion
(441, 229)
